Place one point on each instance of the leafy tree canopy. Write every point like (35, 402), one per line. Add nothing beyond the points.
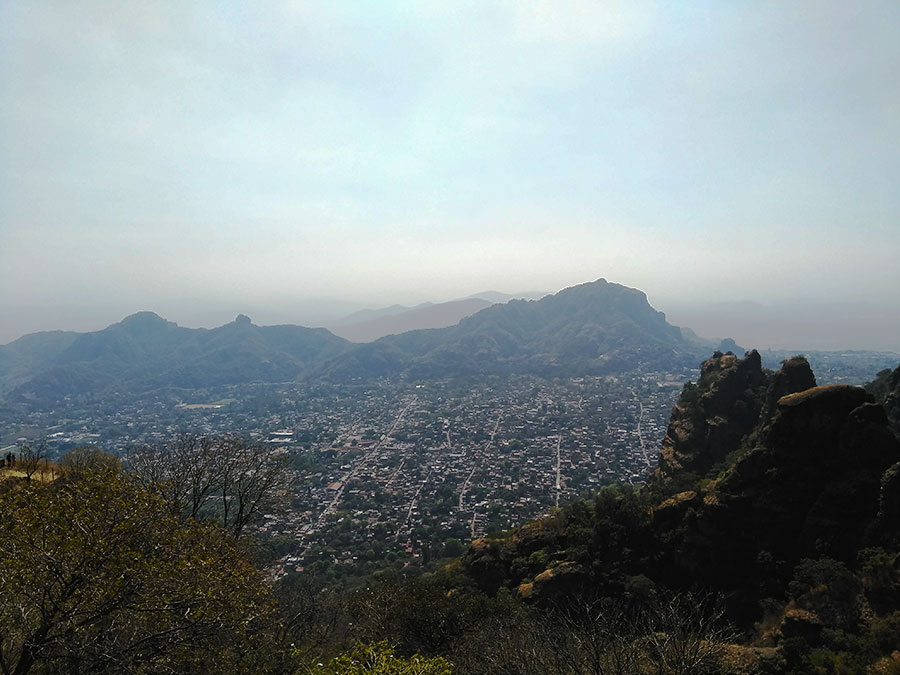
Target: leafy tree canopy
(98, 575)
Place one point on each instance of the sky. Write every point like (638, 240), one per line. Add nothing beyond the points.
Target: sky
(291, 159)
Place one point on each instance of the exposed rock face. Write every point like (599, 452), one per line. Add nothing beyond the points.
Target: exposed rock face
(811, 487)
(886, 390)
(892, 400)
(715, 417)
(889, 500)
(712, 417)
(888, 522)
(486, 564)
(795, 375)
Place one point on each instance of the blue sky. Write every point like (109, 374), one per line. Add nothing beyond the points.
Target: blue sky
(195, 157)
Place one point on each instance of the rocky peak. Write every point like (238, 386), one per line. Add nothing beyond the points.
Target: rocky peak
(141, 322)
(793, 376)
(892, 400)
(733, 401)
(711, 419)
(808, 424)
(811, 486)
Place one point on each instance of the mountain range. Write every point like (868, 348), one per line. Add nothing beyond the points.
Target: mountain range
(145, 351)
(598, 327)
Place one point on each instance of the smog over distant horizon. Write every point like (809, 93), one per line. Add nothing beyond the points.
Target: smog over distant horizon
(297, 161)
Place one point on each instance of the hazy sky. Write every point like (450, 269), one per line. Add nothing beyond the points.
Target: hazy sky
(194, 158)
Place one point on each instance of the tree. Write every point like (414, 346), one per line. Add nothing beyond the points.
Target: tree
(580, 637)
(313, 617)
(185, 470)
(31, 458)
(87, 458)
(98, 575)
(193, 472)
(598, 636)
(453, 548)
(252, 482)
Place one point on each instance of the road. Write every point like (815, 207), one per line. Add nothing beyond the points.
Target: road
(465, 485)
(558, 482)
(396, 473)
(360, 462)
(412, 505)
(639, 433)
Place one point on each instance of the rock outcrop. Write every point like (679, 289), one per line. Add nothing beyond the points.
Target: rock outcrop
(794, 376)
(716, 417)
(891, 400)
(886, 390)
(815, 484)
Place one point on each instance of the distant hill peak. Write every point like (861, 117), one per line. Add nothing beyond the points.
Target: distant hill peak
(594, 328)
(145, 317)
(143, 322)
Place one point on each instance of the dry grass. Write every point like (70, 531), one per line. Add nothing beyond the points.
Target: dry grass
(47, 473)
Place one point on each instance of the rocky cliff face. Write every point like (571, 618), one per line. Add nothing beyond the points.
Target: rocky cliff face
(892, 400)
(886, 390)
(795, 375)
(810, 488)
(815, 476)
(715, 417)
(818, 477)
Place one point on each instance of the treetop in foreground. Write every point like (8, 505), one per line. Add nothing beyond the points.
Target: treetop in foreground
(98, 575)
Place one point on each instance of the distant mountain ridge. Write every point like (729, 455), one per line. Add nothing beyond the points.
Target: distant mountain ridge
(598, 327)
(368, 325)
(364, 315)
(388, 322)
(497, 296)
